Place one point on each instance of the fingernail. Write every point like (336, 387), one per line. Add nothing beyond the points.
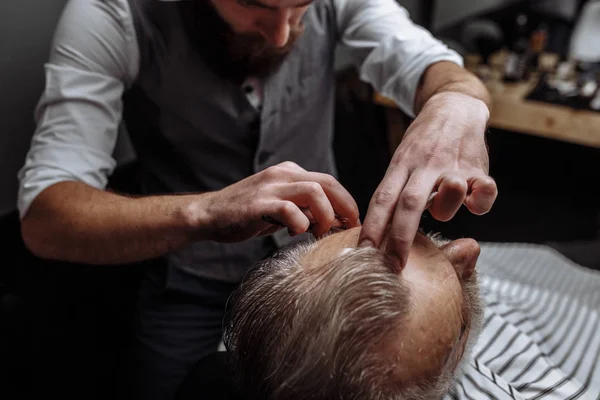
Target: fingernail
(365, 243)
(396, 262)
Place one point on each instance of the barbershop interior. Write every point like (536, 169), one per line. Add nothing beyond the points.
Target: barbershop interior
(506, 306)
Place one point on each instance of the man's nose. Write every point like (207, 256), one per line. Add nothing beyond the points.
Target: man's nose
(276, 30)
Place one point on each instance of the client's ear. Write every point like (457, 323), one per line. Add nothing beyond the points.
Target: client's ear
(463, 254)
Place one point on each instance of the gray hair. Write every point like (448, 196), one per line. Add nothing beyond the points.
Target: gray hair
(298, 333)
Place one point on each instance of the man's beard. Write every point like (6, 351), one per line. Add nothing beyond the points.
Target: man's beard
(473, 295)
(254, 55)
(232, 55)
(476, 309)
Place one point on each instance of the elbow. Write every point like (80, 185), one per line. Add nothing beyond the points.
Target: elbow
(32, 237)
(39, 235)
(39, 224)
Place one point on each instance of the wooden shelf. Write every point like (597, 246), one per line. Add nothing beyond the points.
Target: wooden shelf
(510, 111)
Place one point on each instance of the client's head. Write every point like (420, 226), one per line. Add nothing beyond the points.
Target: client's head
(328, 320)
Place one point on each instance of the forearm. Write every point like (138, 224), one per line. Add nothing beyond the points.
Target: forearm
(74, 222)
(448, 77)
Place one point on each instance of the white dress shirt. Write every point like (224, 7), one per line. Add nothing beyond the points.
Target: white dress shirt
(95, 58)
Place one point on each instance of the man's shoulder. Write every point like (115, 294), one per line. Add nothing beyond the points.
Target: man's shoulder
(96, 36)
(114, 10)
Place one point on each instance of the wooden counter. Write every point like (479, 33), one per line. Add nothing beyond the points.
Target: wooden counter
(511, 112)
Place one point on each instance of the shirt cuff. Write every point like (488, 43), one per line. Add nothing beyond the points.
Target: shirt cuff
(44, 168)
(399, 68)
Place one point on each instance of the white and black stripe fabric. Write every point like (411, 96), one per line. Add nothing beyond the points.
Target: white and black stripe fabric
(541, 334)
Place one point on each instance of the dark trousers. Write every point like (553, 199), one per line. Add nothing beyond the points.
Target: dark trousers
(179, 321)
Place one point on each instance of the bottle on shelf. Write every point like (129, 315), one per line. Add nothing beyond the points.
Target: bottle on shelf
(516, 68)
(539, 39)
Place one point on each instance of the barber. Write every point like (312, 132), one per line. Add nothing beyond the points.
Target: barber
(229, 107)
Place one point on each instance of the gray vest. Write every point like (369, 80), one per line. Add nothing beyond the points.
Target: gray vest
(194, 131)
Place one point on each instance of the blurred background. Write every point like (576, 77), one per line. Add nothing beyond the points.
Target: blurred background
(540, 60)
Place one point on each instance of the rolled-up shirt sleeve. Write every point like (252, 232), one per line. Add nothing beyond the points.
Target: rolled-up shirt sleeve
(93, 58)
(389, 50)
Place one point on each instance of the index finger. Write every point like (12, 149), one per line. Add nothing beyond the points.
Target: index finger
(381, 208)
(344, 205)
(411, 204)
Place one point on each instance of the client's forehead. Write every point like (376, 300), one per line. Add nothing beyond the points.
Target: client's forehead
(347, 238)
(335, 244)
(331, 247)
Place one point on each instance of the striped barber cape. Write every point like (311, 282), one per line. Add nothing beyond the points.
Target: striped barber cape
(541, 333)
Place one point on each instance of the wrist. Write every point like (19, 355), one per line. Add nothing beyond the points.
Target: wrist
(194, 216)
(459, 104)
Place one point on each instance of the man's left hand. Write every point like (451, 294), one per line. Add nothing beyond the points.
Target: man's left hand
(443, 151)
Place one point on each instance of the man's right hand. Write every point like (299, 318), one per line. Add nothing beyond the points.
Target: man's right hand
(72, 221)
(286, 193)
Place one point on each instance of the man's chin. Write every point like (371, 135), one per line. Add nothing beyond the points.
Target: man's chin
(256, 55)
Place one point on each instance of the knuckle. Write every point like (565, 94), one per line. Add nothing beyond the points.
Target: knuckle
(272, 173)
(457, 183)
(287, 208)
(329, 181)
(289, 165)
(313, 189)
(383, 196)
(399, 240)
(490, 182)
(488, 187)
(410, 200)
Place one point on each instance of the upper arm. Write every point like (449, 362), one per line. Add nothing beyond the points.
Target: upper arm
(390, 51)
(93, 58)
